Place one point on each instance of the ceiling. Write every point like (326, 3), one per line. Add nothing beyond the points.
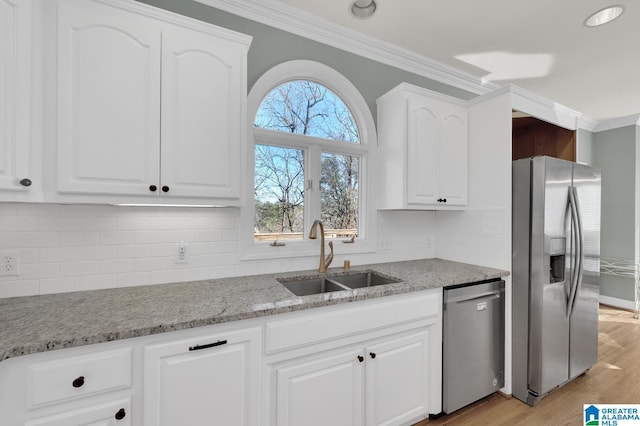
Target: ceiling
(539, 45)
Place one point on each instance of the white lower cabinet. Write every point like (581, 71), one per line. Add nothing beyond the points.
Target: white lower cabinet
(383, 383)
(87, 386)
(210, 379)
(397, 379)
(371, 363)
(321, 391)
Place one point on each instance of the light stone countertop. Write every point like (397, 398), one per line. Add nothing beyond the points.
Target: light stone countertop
(43, 323)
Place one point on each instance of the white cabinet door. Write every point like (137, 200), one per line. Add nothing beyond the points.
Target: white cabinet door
(423, 145)
(397, 378)
(321, 391)
(202, 112)
(452, 155)
(15, 94)
(436, 152)
(149, 110)
(206, 380)
(108, 100)
(422, 163)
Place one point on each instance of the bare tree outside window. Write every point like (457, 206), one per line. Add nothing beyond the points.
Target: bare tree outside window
(307, 108)
(339, 191)
(279, 189)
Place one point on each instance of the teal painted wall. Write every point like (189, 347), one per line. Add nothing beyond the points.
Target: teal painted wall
(271, 46)
(584, 147)
(614, 151)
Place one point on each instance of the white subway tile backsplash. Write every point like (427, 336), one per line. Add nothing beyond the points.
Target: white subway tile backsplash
(78, 238)
(116, 266)
(166, 276)
(18, 224)
(81, 268)
(129, 222)
(107, 238)
(133, 279)
(85, 247)
(133, 251)
(96, 282)
(15, 288)
(59, 285)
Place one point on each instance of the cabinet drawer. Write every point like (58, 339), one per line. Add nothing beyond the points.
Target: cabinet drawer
(78, 376)
(113, 413)
(311, 328)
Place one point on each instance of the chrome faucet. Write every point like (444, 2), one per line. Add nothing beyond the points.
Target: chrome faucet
(313, 234)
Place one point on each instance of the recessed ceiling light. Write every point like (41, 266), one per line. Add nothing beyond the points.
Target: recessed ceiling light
(363, 8)
(603, 16)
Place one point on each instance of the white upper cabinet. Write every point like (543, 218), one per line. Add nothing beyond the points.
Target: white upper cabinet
(108, 100)
(147, 111)
(423, 143)
(16, 170)
(202, 111)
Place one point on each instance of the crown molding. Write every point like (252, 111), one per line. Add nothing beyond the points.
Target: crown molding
(615, 123)
(543, 108)
(587, 123)
(307, 25)
(304, 24)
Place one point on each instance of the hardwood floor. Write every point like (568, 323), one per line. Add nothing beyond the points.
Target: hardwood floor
(615, 379)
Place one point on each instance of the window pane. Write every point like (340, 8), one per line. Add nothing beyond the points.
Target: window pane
(307, 108)
(279, 193)
(339, 186)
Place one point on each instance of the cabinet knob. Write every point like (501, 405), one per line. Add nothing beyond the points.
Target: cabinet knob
(120, 414)
(442, 200)
(78, 382)
(26, 182)
(360, 358)
(153, 188)
(165, 188)
(372, 355)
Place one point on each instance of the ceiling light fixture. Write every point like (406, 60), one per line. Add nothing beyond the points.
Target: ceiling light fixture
(604, 16)
(363, 8)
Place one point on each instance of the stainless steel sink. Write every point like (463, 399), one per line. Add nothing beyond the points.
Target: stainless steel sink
(320, 284)
(305, 287)
(364, 279)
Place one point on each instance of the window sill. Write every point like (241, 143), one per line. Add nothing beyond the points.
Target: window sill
(306, 248)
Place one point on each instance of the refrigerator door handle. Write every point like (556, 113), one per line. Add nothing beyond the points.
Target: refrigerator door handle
(580, 248)
(575, 251)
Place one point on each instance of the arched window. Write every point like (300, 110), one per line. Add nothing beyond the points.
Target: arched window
(311, 133)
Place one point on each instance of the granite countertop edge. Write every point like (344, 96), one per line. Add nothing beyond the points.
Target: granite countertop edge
(44, 323)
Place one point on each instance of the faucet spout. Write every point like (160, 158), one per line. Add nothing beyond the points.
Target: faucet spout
(313, 234)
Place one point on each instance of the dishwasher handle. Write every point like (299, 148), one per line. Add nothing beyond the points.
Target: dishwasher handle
(489, 295)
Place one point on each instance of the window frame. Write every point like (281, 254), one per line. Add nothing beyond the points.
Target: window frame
(365, 150)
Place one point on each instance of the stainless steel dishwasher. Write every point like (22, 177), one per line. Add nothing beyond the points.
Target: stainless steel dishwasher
(473, 343)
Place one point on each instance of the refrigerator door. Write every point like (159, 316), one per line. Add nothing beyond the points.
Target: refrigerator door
(550, 274)
(584, 313)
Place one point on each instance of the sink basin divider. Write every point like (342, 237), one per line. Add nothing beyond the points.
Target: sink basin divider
(342, 286)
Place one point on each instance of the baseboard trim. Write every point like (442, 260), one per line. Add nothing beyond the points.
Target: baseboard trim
(618, 303)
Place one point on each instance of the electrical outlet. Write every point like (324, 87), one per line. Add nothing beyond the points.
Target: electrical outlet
(428, 242)
(9, 264)
(182, 255)
(384, 244)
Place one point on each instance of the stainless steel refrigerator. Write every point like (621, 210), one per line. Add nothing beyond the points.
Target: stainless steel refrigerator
(555, 266)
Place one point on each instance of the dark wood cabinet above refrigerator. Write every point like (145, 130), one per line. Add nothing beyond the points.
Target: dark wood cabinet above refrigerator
(532, 137)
